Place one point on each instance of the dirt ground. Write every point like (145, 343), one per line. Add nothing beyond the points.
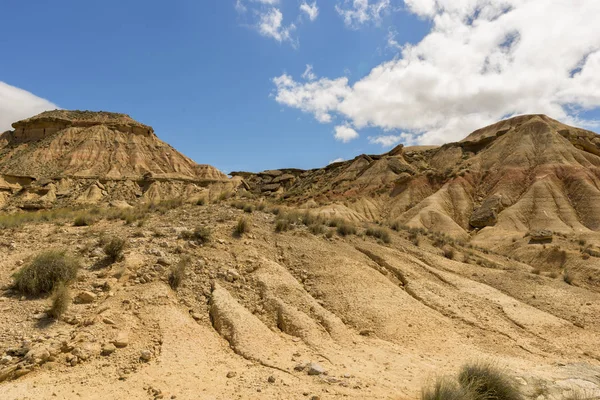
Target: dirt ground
(289, 315)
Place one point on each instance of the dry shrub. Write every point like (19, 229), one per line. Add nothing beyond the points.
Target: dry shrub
(201, 201)
(379, 233)
(316, 229)
(114, 249)
(61, 299)
(84, 220)
(46, 271)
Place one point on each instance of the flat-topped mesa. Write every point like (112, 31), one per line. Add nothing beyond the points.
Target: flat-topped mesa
(49, 122)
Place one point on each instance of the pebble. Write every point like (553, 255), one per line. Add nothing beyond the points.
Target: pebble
(108, 349)
(231, 374)
(146, 355)
(315, 369)
(85, 297)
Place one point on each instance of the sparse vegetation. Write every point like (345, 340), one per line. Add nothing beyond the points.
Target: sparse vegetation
(248, 208)
(177, 272)
(242, 226)
(45, 271)
(448, 252)
(114, 249)
(61, 299)
(379, 233)
(201, 201)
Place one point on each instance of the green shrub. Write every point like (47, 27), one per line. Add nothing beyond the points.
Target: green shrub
(488, 382)
(114, 249)
(61, 299)
(177, 272)
(379, 233)
(46, 271)
(242, 226)
(200, 234)
(445, 389)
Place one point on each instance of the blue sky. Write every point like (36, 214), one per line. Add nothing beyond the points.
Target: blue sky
(222, 81)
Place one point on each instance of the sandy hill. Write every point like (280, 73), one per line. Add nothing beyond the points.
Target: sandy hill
(65, 153)
(524, 174)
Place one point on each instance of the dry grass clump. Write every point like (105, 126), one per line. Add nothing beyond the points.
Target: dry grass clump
(177, 272)
(346, 228)
(201, 201)
(48, 269)
(61, 299)
(114, 249)
(379, 233)
(476, 381)
(200, 234)
(446, 389)
(488, 382)
(242, 226)
(282, 225)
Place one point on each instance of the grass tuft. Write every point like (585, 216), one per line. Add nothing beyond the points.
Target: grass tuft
(488, 382)
(242, 226)
(177, 272)
(61, 299)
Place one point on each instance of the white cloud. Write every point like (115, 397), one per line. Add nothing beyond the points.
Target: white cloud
(271, 25)
(308, 74)
(318, 97)
(345, 133)
(311, 10)
(359, 12)
(17, 104)
(481, 61)
(335, 161)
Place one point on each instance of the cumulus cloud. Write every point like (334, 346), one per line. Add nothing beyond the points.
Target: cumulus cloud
(311, 10)
(359, 12)
(482, 60)
(17, 104)
(388, 140)
(345, 133)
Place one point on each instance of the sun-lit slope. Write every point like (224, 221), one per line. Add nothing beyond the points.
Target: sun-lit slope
(525, 173)
(92, 144)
